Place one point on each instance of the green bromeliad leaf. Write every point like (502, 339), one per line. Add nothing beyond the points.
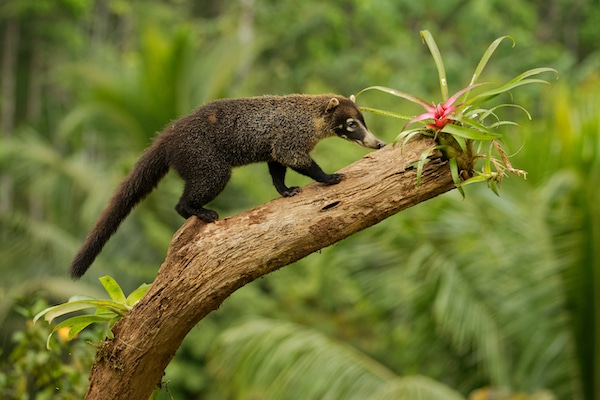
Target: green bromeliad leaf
(385, 113)
(137, 294)
(113, 289)
(107, 311)
(483, 62)
(397, 93)
(72, 305)
(470, 133)
(77, 324)
(520, 80)
(439, 63)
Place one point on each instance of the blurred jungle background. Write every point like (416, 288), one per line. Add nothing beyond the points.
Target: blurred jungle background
(486, 297)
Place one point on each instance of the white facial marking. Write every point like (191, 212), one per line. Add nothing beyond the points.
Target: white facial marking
(350, 125)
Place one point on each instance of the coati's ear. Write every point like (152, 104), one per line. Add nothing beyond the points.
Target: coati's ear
(352, 98)
(333, 103)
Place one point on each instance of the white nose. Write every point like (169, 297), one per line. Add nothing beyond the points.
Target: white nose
(371, 141)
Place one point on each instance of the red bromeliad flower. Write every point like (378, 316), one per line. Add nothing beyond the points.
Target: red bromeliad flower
(441, 114)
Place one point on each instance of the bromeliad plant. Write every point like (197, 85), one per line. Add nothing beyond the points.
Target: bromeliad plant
(461, 124)
(107, 311)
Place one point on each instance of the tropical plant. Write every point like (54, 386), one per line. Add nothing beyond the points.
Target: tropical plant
(461, 125)
(33, 371)
(107, 311)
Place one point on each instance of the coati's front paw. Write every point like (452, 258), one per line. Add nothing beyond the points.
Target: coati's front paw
(334, 179)
(289, 192)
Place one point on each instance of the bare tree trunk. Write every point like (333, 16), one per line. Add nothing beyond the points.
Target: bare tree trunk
(207, 262)
(246, 36)
(33, 112)
(35, 89)
(8, 102)
(9, 73)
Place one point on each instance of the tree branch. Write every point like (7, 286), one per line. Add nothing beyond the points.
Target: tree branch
(208, 262)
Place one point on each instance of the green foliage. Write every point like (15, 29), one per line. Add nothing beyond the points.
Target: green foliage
(474, 295)
(254, 361)
(466, 123)
(420, 298)
(107, 311)
(32, 371)
(566, 167)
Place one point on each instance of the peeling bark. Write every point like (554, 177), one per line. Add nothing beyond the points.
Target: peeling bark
(208, 262)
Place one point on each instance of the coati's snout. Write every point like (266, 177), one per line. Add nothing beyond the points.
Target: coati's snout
(355, 131)
(369, 140)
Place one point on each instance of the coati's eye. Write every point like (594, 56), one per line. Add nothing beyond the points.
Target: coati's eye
(351, 124)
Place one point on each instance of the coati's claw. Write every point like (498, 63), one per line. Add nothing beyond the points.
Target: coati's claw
(294, 190)
(334, 179)
(207, 215)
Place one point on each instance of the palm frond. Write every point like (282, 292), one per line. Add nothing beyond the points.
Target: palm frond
(279, 359)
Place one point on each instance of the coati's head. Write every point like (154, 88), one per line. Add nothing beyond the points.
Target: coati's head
(349, 124)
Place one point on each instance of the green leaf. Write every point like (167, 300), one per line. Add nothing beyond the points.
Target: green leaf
(385, 113)
(487, 167)
(113, 289)
(490, 94)
(56, 311)
(405, 136)
(461, 142)
(487, 55)
(398, 93)
(533, 72)
(456, 175)
(476, 179)
(62, 309)
(113, 321)
(424, 158)
(494, 186)
(439, 63)
(469, 133)
(473, 123)
(513, 83)
(501, 123)
(137, 294)
(483, 62)
(77, 324)
(491, 111)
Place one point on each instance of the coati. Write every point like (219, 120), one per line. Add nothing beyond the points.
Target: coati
(205, 145)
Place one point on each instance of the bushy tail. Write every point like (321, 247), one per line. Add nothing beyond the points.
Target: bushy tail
(143, 178)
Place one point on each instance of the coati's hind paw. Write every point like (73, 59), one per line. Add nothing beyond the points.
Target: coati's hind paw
(334, 179)
(205, 215)
(289, 192)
